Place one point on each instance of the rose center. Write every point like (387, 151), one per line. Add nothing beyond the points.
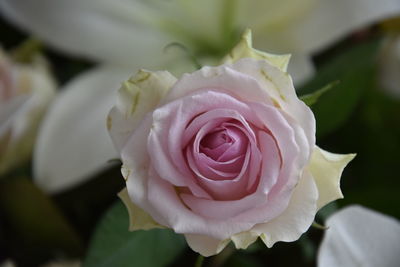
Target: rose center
(224, 143)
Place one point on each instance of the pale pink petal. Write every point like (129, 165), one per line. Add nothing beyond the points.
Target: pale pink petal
(279, 87)
(243, 207)
(169, 123)
(222, 78)
(167, 208)
(296, 218)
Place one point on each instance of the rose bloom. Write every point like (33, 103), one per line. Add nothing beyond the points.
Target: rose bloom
(224, 153)
(25, 92)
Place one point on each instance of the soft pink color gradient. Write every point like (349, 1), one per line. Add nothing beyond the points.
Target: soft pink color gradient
(222, 153)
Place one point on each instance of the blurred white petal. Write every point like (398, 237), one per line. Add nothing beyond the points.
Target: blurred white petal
(390, 67)
(7, 263)
(301, 68)
(29, 94)
(126, 31)
(112, 31)
(328, 22)
(360, 237)
(9, 109)
(73, 142)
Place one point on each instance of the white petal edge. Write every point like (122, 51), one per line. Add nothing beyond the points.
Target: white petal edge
(137, 96)
(244, 240)
(138, 218)
(244, 49)
(389, 72)
(296, 219)
(327, 168)
(358, 236)
(73, 142)
(205, 245)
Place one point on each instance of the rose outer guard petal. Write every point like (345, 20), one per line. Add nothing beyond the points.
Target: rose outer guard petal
(204, 245)
(138, 218)
(136, 97)
(327, 168)
(244, 49)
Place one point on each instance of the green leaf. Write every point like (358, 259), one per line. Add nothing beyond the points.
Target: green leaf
(114, 245)
(355, 68)
(311, 99)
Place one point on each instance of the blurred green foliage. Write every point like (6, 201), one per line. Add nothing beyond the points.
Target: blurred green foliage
(112, 245)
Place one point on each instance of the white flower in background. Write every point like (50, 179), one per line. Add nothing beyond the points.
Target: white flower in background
(360, 237)
(73, 143)
(131, 33)
(25, 92)
(127, 31)
(390, 67)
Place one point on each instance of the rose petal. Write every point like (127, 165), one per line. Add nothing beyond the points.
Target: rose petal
(244, 49)
(167, 208)
(137, 96)
(279, 87)
(244, 239)
(223, 78)
(297, 217)
(205, 245)
(242, 208)
(327, 168)
(138, 218)
(169, 123)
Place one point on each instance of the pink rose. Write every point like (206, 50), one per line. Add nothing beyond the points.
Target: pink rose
(224, 153)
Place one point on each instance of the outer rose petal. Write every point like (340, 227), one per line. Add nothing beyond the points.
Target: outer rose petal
(244, 49)
(205, 245)
(360, 237)
(296, 219)
(327, 168)
(137, 96)
(288, 226)
(279, 86)
(138, 218)
(244, 239)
